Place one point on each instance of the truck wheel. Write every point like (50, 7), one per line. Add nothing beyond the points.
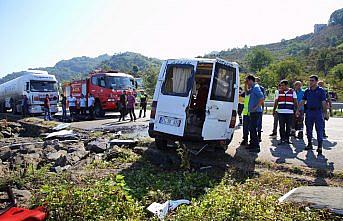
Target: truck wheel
(98, 111)
(14, 107)
(161, 143)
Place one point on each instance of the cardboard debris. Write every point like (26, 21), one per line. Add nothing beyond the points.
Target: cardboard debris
(120, 142)
(161, 210)
(62, 134)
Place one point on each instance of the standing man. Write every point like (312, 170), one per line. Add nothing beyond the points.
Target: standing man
(315, 100)
(25, 106)
(143, 103)
(122, 106)
(276, 119)
(255, 109)
(285, 103)
(64, 107)
(82, 104)
(131, 101)
(259, 123)
(241, 105)
(246, 117)
(299, 121)
(91, 102)
(47, 113)
(72, 106)
(328, 105)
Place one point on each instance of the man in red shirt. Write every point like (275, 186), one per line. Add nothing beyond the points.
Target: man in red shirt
(47, 113)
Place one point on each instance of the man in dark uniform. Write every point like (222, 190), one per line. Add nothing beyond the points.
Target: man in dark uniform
(143, 103)
(122, 105)
(315, 99)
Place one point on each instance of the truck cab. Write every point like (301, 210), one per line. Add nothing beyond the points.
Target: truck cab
(195, 100)
(35, 85)
(105, 86)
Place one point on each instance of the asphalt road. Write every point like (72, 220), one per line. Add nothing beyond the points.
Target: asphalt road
(293, 154)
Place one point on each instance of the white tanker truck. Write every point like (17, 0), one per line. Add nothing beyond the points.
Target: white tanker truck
(35, 84)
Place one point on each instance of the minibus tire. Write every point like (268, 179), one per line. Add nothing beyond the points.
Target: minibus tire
(161, 143)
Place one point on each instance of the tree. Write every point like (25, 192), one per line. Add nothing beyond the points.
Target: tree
(259, 58)
(336, 17)
(337, 72)
(150, 79)
(289, 69)
(135, 69)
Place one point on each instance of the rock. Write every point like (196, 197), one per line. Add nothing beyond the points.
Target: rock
(320, 197)
(5, 153)
(76, 147)
(49, 149)
(56, 155)
(23, 197)
(139, 150)
(97, 146)
(51, 142)
(6, 134)
(61, 161)
(25, 149)
(76, 156)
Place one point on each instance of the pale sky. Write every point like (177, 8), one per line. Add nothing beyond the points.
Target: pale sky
(39, 33)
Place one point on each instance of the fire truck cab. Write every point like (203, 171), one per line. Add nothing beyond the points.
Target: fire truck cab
(105, 86)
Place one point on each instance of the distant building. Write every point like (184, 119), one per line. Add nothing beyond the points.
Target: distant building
(319, 27)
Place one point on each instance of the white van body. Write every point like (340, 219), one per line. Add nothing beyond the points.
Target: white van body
(35, 84)
(179, 112)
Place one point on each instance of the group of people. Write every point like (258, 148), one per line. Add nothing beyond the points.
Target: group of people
(127, 103)
(291, 107)
(74, 104)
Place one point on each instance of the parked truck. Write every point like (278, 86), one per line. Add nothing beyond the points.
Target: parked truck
(105, 86)
(35, 84)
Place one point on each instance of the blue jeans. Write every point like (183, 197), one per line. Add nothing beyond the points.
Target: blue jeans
(311, 118)
(246, 120)
(254, 119)
(47, 113)
(64, 112)
(285, 122)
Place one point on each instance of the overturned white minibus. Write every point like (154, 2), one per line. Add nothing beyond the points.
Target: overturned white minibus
(195, 100)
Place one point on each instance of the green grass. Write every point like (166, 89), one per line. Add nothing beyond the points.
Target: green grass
(215, 195)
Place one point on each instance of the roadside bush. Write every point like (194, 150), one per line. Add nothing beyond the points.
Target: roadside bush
(106, 199)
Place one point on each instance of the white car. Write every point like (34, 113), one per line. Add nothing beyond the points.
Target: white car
(195, 100)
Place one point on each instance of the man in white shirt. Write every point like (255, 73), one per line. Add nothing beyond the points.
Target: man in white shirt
(72, 106)
(91, 102)
(285, 104)
(82, 104)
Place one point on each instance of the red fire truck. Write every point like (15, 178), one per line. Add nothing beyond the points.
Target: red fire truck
(106, 87)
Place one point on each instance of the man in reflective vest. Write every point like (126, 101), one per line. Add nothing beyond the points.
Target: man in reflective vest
(315, 99)
(285, 103)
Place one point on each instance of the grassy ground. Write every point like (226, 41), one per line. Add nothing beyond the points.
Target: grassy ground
(215, 194)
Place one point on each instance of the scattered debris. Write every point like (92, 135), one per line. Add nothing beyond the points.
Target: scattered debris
(120, 142)
(161, 210)
(64, 134)
(61, 126)
(319, 197)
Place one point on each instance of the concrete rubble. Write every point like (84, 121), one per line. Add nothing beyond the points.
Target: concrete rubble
(319, 197)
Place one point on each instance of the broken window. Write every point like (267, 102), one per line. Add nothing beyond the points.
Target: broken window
(223, 83)
(178, 80)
